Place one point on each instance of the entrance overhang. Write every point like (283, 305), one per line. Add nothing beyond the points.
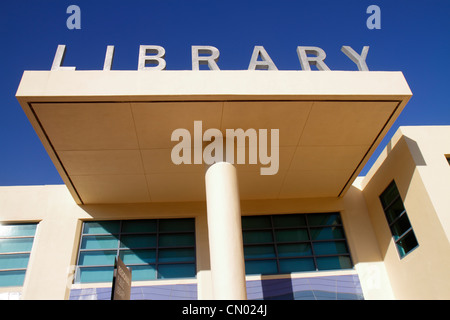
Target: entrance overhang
(108, 133)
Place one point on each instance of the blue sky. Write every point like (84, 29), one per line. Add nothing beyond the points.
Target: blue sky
(414, 39)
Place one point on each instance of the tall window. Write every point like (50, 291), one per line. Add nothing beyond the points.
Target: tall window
(16, 241)
(153, 249)
(398, 221)
(294, 243)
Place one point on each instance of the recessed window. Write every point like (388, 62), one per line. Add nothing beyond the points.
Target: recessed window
(398, 221)
(153, 249)
(276, 244)
(16, 241)
(448, 159)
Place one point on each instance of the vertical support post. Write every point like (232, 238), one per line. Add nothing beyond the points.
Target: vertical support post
(225, 232)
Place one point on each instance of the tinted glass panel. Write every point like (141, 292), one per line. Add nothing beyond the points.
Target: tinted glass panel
(104, 274)
(138, 241)
(101, 227)
(330, 247)
(327, 233)
(261, 267)
(18, 230)
(16, 245)
(291, 220)
(167, 271)
(256, 222)
(257, 237)
(319, 219)
(176, 255)
(330, 263)
(400, 226)
(176, 240)
(12, 278)
(99, 242)
(176, 225)
(296, 265)
(97, 258)
(14, 261)
(141, 273)
(394, 210)
(407, 243)
(295, 249)
(389, 195)
(291, 235)
(252, 252)
(138, 226)
(138, 256)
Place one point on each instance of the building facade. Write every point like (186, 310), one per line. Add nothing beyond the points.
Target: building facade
(313, 230)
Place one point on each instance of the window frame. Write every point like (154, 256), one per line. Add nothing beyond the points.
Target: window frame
(119, 248)
(17, 253)
(392, 222)
(310, 242)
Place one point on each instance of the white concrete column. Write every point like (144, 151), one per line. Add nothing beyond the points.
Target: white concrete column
(225, 232)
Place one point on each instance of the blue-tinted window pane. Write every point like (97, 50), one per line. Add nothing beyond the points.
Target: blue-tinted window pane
(138, 226)
(99, 242)
(389, 195)
(407, 243)
(95, 274)
(141, 273)
(400, 226)
(257, 237)
(138, 256)
(261, 267)
(12, 278)
(331, 263)
(101, 227)
(319, 219)
(294, 249)
(252, 252)
(327, 233)
(14, 261)
(18, 230)
(291, 220)
(16, 245)
(184, 270)
(173, 225)
(138, 241)
(256, 222)
(394, 210)
(296, 265)
(176, 255)
(176, 240)
(291, 235)
(97, 258)
(330, 247)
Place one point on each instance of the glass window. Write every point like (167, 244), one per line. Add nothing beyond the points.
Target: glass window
(16, 241)
(152, 249)
(288, 243)
(398, 220)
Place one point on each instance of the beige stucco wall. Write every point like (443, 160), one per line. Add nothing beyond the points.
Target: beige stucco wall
(415, 159)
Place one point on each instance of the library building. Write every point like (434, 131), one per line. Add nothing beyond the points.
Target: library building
(228, 185)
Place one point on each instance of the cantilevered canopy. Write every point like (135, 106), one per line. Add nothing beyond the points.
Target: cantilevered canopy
(109, 132)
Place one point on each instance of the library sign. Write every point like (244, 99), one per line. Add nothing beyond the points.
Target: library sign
(151, 58)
